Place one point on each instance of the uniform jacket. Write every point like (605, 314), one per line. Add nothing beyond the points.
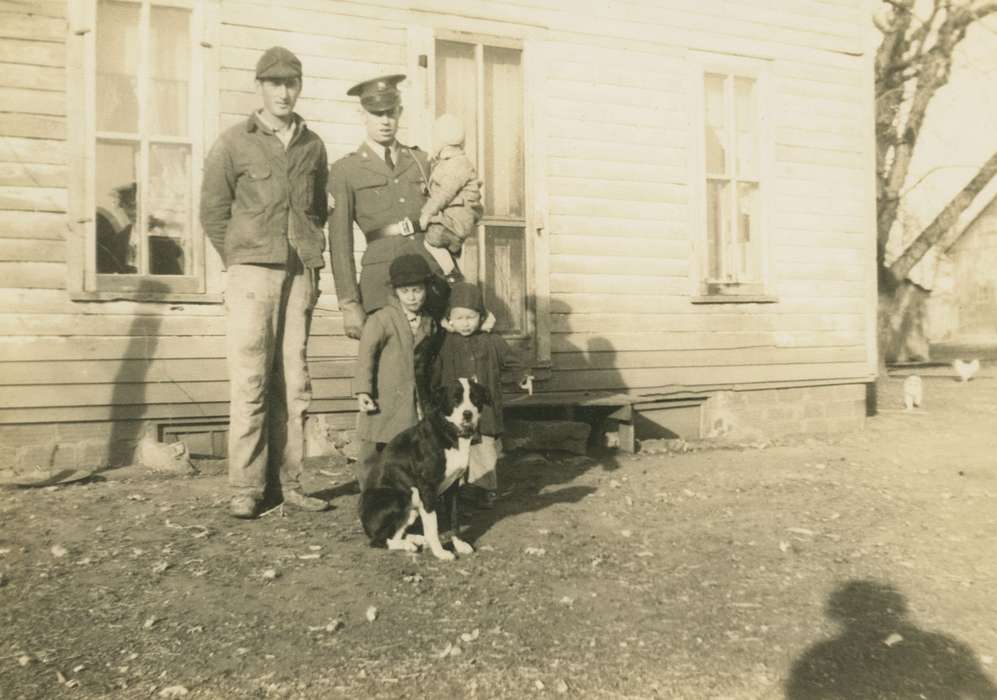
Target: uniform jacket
(257, 198)
(386, 369)
(366, 191)
(481, 355)
(453, 177)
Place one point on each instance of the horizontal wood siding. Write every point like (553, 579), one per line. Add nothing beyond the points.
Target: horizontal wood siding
(621, 261)
(615, 133)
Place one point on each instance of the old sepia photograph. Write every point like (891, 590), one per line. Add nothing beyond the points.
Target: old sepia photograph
(609, 349)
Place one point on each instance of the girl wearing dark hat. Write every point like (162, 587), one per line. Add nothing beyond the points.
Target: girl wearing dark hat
(469, 351)
(393, 340)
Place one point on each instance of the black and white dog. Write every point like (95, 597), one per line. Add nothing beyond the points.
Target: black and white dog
(420, 469)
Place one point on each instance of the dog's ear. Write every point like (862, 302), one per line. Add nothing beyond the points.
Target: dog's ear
(480, 394)
(439, 399)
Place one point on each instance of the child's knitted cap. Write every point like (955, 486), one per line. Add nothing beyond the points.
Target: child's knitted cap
(465, 295)
(447, 131)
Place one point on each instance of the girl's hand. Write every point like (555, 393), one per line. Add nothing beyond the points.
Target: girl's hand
(489, 323)
(526, 384)
(366, 404)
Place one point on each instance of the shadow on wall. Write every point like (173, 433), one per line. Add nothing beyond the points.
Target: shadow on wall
(880, 653)
(528, 483)
(129, 395)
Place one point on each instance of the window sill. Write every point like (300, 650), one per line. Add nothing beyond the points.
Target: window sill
(733, 298)
(164, 297)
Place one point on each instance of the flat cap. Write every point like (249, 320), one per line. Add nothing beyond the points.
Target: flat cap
(378, 94)
(278, 62)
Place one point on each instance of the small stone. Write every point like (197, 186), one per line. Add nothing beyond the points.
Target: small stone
(58, 551)
(893, 640)
(269, 574)
(561, 687)
(174, 691)
(371, 613)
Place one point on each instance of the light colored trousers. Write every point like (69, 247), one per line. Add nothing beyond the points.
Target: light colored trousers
(481, 468)
(268, 312)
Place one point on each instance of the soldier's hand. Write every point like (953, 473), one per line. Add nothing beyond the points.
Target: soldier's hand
(366, 404)
(353, 320)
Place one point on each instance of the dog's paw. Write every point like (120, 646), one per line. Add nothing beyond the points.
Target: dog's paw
(462, 547)
(417, 540)
(404, 545)
(444, 555)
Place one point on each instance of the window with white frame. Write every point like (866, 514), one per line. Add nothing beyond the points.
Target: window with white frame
(141, 148)
(733, 166)
(482, 83)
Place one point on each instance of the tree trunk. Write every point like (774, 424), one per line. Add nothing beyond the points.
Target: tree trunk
(902, 332)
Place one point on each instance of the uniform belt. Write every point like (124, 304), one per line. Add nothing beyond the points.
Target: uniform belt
(405, 227)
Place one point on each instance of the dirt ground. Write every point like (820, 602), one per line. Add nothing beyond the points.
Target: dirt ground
(855, 566)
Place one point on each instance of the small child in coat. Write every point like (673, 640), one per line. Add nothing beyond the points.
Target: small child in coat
(467, 351)
(394, 361)
(448, 217)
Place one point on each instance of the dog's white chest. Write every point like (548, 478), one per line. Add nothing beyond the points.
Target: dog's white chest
(457, 460)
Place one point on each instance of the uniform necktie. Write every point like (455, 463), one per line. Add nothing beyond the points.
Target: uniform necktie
(388, 159)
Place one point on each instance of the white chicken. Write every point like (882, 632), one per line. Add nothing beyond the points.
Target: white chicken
(913, 392)
(966, 370)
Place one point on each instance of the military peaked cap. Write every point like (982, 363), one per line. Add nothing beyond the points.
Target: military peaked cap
(378, 94)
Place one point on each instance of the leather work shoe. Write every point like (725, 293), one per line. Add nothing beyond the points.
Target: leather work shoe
(242, 507)
(299, 500)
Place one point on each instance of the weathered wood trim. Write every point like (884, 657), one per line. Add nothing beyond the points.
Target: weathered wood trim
(80, 102)
(60, 349)
(33, 224)
(164, 412)
(870, 216)
(536, 63)
(33, 275)
(32, 174)
(214, 390)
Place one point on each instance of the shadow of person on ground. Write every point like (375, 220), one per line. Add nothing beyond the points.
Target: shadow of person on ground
(880, 653)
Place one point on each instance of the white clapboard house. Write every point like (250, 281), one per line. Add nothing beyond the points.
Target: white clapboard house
(679, 203)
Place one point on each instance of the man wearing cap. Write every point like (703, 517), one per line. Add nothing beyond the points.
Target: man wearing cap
(263, 207)
(382, 187)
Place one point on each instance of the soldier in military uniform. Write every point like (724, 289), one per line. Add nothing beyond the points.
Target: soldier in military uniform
(382, 187)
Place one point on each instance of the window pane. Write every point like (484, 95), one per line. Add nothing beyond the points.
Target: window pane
(469, 259)
(503, 133)
(505, 258)
(117, 66)
(169, 208)
(746, 118)
(117, 204)
(456, 89)
(747, 232)
(716, 125)
(717, 226)
(169, 53)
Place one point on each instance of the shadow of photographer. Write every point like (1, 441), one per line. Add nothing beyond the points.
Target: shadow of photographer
(880, 653)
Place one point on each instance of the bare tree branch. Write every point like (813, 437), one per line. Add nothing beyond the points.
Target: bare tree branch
(902, 266)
